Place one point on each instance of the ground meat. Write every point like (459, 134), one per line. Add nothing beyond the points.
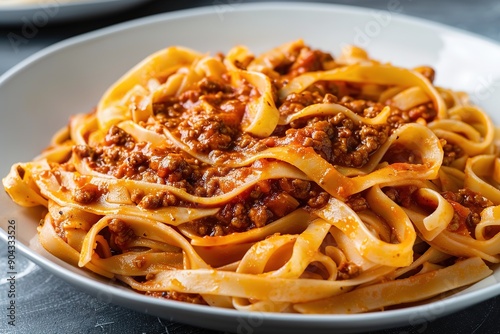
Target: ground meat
(168, 110)
(318, 135)
(208, 86)
(398, 117)
(357, 202)
(299, 61)
(136, 159)
(338, 139)
(83, 151)
(120, 233)
(298, 101)
(365, 108)
(423, 111)
(136, 195)
(473, 199)
(360, 146)
(151, 201)
(318, 199)
(203, 129)
(253, 212)
(451, 152)
(401, 195)
(205, 134)
(348, 270)
(280, 203)
(86, 194)
(207, 181)
(174, 167)
(179, 296)
(299, 189)
(259, 216)
(468, 198)
(400, 154)
(264, 203)
(127, 164)
(119, 137)
(318, 92)
(246, 141)
(114, 160)
(467, 205)
(309, 61)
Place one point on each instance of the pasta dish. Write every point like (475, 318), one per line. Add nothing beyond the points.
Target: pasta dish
(285, 181)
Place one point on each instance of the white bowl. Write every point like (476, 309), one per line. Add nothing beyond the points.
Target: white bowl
(39, 95)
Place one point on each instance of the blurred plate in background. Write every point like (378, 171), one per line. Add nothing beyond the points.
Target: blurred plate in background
(39, 13)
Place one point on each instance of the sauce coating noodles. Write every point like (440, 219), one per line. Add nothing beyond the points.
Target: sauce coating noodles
(290, 181)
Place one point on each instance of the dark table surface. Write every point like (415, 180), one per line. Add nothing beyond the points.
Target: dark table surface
(47, 304)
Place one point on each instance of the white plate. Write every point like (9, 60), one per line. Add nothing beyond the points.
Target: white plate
(39, 95)
(39, 13)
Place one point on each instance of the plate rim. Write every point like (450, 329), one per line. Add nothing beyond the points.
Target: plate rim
(398, 317)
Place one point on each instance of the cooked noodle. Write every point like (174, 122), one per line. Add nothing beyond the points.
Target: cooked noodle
(285, 182)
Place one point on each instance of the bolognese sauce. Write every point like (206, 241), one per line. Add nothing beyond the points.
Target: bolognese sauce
(207, 118)
(196, 177)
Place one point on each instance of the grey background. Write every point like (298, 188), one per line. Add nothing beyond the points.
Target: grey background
(46, 304)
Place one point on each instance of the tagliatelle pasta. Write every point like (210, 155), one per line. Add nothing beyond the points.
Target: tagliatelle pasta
(289, 181)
